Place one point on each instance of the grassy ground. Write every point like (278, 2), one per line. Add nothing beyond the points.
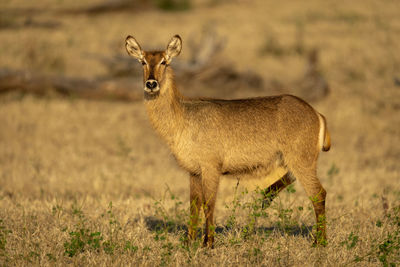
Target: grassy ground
(89, 183)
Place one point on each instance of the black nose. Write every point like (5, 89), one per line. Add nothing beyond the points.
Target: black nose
(151, 84)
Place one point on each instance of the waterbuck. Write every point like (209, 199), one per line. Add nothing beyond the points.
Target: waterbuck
(212, 138)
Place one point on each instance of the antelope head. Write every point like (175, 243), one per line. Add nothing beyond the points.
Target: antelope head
(155, 63)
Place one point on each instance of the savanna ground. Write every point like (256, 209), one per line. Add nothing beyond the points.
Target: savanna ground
(89, 183)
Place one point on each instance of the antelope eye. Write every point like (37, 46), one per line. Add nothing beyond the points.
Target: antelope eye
(163, 62)
(143, 63)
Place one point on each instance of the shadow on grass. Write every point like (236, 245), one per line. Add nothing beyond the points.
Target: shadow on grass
(155, 224)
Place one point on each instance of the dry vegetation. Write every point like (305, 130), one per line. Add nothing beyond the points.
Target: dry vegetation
(89, 183)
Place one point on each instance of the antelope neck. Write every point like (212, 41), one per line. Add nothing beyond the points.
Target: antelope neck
(166, 112)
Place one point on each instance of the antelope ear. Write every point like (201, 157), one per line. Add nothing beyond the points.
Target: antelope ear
(133, 47)
(174, 47)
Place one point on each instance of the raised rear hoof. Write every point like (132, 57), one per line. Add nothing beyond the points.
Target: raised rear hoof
(267, 201)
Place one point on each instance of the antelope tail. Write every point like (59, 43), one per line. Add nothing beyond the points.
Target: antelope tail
(324, 138)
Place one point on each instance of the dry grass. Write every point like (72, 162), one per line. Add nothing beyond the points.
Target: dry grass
(89, 183)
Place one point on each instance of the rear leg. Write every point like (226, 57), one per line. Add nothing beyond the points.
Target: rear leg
(272, 191)
(317, 194)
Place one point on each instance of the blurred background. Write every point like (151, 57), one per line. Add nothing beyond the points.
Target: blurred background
(71, 109)
(72, 122)
(64, 74)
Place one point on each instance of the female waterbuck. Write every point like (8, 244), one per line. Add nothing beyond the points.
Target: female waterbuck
(211, 138)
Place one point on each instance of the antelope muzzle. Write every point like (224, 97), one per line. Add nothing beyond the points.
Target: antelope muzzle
(151, 86)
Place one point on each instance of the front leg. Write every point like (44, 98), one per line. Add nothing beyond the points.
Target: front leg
(196, 200)
(210, 181)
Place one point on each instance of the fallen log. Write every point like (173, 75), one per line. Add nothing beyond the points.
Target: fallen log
(40, 84)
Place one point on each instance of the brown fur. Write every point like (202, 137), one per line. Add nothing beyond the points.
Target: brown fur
(211, 138)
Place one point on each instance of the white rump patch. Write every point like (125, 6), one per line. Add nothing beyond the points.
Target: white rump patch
(321, 135)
